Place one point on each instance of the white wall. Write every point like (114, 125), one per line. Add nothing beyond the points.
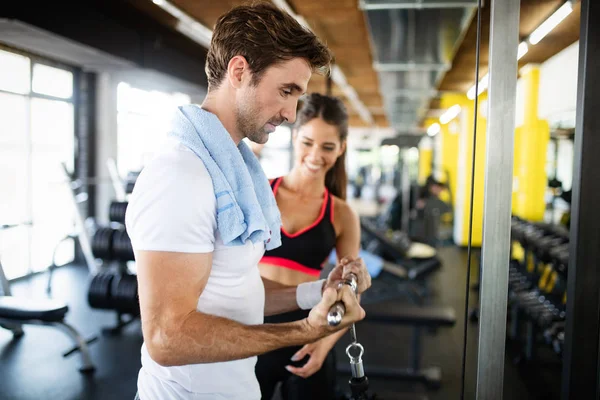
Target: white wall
(558, 103)
(368, 137)
(558, 86)
(520, 104)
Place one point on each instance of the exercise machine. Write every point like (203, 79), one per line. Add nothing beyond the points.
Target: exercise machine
(418, 318)
(394, 247)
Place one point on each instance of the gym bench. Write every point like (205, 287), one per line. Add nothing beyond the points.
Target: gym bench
(18, 311)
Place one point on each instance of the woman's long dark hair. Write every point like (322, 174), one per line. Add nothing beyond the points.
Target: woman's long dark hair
(331, 110)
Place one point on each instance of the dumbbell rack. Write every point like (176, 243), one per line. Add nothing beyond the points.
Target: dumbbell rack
(114, 288)
(537, 286)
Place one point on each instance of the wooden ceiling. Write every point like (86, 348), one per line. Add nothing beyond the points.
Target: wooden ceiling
(342, 26)
(339, 23)
(533, 12)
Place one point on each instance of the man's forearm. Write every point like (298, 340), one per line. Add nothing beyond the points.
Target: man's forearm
(204, 338)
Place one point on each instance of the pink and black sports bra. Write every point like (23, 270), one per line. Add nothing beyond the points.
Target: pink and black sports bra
(308, 249)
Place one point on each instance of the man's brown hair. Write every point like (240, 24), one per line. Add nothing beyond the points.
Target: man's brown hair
(265, 35)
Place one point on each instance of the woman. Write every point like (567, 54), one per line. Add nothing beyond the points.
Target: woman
(315, 220)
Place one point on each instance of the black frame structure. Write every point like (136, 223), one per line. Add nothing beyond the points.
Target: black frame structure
(582, 330)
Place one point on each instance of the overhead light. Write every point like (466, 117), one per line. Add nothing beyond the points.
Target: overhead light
(483, 84)
(450, 114)
(193, 33)
(433, 129)
(551, 23)
(523, 49)
(285, 7)
(535, 37)
(186, 24)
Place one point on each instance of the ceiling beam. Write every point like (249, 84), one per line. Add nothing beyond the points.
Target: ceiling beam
(415, 4)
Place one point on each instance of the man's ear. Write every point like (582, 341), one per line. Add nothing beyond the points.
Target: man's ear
(235, 71)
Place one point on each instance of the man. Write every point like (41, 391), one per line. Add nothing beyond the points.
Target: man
(202, 302)
(432, 188)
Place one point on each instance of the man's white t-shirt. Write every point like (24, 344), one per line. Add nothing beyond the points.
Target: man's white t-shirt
(173, 208)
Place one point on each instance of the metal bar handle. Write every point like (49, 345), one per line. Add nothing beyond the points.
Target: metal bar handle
(338, 310)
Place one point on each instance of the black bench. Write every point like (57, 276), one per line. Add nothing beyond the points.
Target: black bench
(17, 311)
(415, 268)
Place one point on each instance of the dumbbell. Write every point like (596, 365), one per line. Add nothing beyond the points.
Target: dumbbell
(100, 291)
(117, 211)
(125, 294)
(102, 243)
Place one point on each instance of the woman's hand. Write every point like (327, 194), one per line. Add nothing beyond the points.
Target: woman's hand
(317, 353)
(346, 266)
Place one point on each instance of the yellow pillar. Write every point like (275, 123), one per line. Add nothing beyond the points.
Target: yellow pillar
(531, 145)
(463, 150)
(449, 158)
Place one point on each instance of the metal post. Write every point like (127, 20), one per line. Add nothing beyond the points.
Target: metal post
(504, 35)
(405, 188)
(580, 360)
(115, 178)
(82, 235)
(4, 286)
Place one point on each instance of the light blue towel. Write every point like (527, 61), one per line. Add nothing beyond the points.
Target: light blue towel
(246, 207)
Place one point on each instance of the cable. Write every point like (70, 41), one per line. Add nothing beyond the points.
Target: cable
(469, 246)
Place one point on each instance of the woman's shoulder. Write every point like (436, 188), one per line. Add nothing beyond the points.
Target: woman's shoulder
(343, 213)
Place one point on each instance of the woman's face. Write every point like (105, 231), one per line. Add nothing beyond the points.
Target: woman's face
(317, 146)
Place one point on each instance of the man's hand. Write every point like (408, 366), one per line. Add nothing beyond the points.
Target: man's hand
(317, 319)
(346, 266)
(317, 353)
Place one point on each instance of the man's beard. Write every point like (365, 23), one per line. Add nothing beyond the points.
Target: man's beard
(247, 125)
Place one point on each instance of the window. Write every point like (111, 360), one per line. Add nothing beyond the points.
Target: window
(52, 81)
(16, 70)
(142, 122)
(36, 136)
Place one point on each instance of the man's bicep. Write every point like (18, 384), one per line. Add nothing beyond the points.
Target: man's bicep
(170, 283)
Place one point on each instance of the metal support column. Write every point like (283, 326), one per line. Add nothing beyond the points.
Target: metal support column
(504, 35)
(405, 190)
(580, 360)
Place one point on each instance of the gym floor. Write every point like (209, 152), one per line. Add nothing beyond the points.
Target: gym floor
(32, 367)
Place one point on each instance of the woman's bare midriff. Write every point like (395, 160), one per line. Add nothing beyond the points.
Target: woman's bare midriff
(285, 276)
